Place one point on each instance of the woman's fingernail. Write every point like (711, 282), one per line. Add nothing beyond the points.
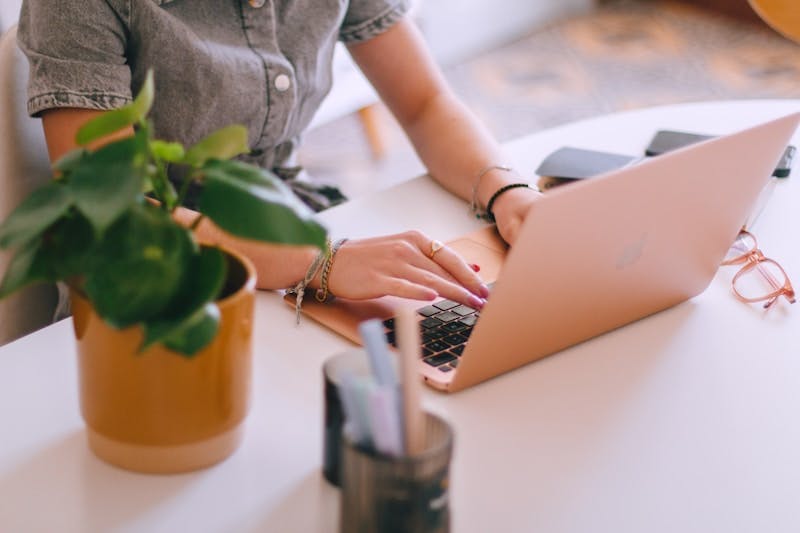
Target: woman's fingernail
(475, 302)
(474, 267)
(484, 291)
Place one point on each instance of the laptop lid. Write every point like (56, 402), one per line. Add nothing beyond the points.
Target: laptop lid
(597, 254)
(601, 253)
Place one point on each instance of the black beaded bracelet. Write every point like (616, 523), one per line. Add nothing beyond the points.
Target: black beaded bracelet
(489, 215)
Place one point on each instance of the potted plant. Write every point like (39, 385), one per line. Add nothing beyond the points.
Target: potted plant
(163, 323)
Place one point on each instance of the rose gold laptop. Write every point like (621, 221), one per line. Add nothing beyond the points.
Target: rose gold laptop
(593, 256)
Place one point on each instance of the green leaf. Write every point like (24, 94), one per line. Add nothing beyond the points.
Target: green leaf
(35, 214)
(119, 119)
(192, 317)
(110, 181)
(61, 253)
(249, 202)
(203, 282)
(132, 150)
(188, 336)
(106, 124)
(166, 151)
(139, 266)
(23, 269)
(224, 143)
(69, 160)
(67, 247)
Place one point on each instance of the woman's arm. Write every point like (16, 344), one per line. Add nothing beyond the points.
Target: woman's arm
(365, 268)
(451, 142)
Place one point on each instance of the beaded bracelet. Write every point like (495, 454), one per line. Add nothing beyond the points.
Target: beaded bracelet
(311, 273)
(322, 293)
(473, 206)
(489, 214)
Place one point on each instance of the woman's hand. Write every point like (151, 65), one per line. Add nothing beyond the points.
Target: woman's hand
(404, 265)
(511, 209)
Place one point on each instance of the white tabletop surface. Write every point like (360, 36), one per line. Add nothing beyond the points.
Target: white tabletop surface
(686, 421)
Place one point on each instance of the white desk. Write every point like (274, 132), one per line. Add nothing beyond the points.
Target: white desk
(684, 422)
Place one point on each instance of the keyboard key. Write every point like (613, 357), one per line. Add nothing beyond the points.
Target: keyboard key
(454, 340)
(469, 320)
(428, 310)
(444, 305)
(440, 359)
(437, 346)
(452, 327)
(454, 364)
(458, 350)
(432, 334)
(463, 310)
(430, 322)
(389, 323)
(447, 316)
(444, 368)
(390, 338)
(426, 352)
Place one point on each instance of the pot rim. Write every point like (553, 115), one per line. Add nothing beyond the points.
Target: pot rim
(249, 284)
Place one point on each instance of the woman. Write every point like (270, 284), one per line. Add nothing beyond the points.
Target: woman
(266, 64)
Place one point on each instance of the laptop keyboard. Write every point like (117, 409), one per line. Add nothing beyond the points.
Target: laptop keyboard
(445, 327)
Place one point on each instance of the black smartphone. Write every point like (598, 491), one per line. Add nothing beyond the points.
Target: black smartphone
(667, 140)
(568, 164)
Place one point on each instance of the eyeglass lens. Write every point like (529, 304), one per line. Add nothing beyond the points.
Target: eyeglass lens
(759, 280)
(743, 245)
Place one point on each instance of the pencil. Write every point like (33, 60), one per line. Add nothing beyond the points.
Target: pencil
(408, 343)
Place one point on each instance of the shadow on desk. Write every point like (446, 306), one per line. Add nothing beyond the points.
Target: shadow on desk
(565, 417)
(65, 484)
(312, 505)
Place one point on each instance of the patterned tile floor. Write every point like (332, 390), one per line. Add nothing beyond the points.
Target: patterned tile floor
(624, 55)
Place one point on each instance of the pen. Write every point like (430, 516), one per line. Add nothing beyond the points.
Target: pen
(409, 347)
(384, 421)
(378, 352)
(352, 392)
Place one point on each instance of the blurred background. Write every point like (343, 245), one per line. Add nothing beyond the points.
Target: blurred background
(536, 64)
(525, 65)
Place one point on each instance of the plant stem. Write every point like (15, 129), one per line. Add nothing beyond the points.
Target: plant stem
(169, 201)
(185, 185)
(196, 221)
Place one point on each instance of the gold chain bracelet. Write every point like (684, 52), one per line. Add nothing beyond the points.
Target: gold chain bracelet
(323, 292)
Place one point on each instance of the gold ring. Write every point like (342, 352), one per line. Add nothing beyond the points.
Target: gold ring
(435, 247)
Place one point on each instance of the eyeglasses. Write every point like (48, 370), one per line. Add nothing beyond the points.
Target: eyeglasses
(760, 279)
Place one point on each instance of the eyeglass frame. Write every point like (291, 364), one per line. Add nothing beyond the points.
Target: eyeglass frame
(752, 259)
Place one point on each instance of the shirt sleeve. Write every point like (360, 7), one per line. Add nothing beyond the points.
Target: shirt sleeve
(76, 52)
(367, 18)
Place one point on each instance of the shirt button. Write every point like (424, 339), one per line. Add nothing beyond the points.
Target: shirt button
(282, 82)
(258, 3)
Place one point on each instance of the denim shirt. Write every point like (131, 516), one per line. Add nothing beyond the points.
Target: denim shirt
(263, 64)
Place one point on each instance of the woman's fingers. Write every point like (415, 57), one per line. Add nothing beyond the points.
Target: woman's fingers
(445, 288)
(441, 268)
(446, 260)
(409, 265)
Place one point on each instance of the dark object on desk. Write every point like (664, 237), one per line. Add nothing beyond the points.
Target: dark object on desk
(667, 140)
(354, 362)
(568, 164)
(398, 494)
(784, 167)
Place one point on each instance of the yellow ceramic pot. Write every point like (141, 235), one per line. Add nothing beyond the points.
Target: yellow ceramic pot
(158, 411)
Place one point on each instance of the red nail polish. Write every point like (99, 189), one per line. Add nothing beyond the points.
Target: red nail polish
(474, 267)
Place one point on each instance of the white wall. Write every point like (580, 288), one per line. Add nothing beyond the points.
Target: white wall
(455, 29)
(458, 29)
(9, 13)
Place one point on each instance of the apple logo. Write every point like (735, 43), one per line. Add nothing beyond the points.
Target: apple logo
(631, 253)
